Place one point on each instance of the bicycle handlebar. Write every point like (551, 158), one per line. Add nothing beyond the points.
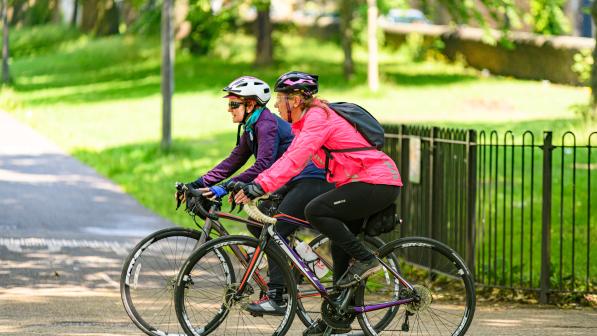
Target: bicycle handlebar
(251, 209)
(195, 193)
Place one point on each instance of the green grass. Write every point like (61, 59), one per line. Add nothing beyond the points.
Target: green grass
(100, 100)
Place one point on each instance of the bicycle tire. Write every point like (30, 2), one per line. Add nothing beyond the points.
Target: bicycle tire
(133, 269)
(442, 281)
(223, 275)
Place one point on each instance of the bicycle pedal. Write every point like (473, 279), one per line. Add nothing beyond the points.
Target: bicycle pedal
(256, 314)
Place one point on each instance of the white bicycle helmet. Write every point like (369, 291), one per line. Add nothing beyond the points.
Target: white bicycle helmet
(249, 87)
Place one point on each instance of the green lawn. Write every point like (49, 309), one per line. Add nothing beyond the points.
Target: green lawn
(99, 99)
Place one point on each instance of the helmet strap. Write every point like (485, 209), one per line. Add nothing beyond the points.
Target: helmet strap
(245, 115)
(289, 119)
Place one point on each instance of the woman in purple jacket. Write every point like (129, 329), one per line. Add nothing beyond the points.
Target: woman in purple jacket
(265, 136)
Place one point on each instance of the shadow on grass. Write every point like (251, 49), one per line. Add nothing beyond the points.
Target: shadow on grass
(427, 79)
(129, 67)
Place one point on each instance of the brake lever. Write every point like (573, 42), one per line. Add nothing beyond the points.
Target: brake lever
(178, 202)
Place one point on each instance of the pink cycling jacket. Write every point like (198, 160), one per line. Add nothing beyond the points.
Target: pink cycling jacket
(320, 126)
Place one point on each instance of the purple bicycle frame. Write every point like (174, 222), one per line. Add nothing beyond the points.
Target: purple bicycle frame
(300, 264)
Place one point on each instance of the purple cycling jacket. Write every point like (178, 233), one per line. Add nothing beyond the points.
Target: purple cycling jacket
(268, 140)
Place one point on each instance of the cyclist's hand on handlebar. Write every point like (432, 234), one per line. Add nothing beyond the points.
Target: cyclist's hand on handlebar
(248, 192)
(179, 195)
(213, 192)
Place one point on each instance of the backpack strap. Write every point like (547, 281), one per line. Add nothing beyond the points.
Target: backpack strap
(328, 154)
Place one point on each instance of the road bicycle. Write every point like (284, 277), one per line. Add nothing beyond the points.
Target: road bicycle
(150, 270)
(424, 287)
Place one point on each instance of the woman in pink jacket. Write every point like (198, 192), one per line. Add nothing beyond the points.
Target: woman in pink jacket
(366, 181)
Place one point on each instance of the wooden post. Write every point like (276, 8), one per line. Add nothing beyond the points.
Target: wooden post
(167, 72)
(373, 76)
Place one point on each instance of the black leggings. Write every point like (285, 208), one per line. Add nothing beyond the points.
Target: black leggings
(339, 214)
(297, 194)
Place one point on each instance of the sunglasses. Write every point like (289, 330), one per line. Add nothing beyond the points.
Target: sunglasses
(233, 105)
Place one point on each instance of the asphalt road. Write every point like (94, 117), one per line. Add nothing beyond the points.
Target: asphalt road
(65, 231)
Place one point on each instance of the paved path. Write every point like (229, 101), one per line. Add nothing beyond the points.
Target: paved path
(64, 232)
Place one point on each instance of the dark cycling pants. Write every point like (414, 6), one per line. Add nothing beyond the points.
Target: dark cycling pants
(339, 214)
(298, 194)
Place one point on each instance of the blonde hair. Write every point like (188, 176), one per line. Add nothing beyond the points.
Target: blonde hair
(313, 101)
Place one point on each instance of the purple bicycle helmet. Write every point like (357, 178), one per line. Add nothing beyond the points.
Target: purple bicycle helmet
(297, 81)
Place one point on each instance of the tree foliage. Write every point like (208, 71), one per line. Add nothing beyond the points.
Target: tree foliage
(207, 26)
(548, 18)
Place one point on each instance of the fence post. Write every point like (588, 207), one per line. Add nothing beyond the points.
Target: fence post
(471, 151)
(404, 175)
(432, 193)
(546, 217)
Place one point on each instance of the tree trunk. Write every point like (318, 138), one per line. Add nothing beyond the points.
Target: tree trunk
(594, 68)
(108, 18)
(5, 55)
(73, 19)
(346, 34)
(373, 71)
(264, 54)
(89, 15)
(17, 12)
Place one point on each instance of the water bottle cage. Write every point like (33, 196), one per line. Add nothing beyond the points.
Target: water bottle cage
(311, 263)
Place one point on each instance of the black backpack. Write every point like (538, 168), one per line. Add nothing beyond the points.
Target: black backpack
(364, 122)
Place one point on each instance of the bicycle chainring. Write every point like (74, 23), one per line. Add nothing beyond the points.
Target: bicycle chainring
(331, 317)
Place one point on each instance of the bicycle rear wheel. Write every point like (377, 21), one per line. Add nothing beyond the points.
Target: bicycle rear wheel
(206, 286)
(443, 285)
(148, 277)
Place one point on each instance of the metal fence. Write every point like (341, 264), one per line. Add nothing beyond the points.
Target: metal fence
(438, 168)
(517, 208)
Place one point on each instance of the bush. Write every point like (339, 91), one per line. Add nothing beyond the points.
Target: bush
(206, 26)
(583, 63)
(149, 21)
(417, 49)
(39, 39)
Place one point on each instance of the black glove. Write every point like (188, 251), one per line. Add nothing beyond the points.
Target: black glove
(253, 190)
(228, 185)
(234, 186)
(198, 183)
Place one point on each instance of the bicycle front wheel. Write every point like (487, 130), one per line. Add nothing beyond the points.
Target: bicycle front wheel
(444, 291)
(207, 299)
(148, 277)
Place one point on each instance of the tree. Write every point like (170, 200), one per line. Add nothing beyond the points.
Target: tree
(73, 19)
(100, 17)
(264, 53)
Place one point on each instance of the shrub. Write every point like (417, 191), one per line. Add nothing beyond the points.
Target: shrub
(39, 39)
